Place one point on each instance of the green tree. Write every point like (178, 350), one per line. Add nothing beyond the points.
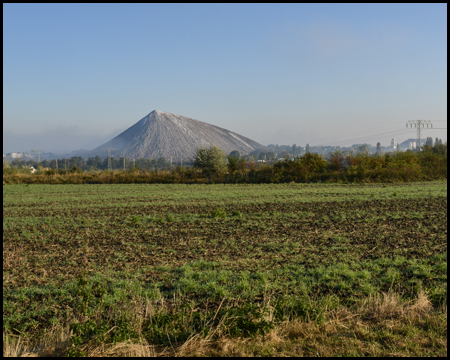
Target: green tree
(161, 163)
(233, 163)
(363, 149)
(285, 154)
(212, 160)
(314, 162)
(440, 148)
(7, 167)
(270, 155)
(336, 160)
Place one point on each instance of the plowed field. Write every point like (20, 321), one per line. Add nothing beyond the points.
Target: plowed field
(196, 245)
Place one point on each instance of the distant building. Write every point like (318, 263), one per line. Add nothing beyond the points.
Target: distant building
(410, 144)
(394, 145)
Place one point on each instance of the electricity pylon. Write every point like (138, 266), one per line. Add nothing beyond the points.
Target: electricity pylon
(39, 154)
(419, 124)
(109, 157)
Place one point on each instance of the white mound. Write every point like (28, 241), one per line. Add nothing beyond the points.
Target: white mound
(161, 134)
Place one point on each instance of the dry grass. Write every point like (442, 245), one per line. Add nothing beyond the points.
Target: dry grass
(54, 343)
(381, 325)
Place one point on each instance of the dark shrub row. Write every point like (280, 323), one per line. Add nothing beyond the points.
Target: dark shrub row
(429, 164)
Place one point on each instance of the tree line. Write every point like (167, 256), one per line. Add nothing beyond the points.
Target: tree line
(213, 165)
(93, 164)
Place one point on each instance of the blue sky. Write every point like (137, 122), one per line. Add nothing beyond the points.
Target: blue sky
(74, 75)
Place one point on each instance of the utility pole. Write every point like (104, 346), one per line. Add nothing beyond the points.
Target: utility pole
(39, 154)
(56, 164)
(109, 157)
(419, 124)
(123, 164)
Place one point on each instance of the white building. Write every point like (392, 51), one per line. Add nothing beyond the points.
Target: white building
(394, 145)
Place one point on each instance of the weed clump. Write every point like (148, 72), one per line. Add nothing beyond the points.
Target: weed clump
(237, 214)
(218, 214)
(135, 220)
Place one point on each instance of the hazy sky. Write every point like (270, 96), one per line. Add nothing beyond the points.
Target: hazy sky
(74, 75)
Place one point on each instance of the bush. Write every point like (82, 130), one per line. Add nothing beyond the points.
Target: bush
(76, 169)
(233, 163)
(210, 161)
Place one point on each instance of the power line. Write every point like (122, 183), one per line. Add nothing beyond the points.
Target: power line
(39, 154)
(419, 124)
(395, 132)
(109, 157)
(363, 134)
(392, 130)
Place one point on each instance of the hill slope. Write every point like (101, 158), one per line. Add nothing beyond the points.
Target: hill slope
(161, 134)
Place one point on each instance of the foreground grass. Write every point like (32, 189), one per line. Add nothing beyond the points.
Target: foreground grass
(382, 325)
(225, 270)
